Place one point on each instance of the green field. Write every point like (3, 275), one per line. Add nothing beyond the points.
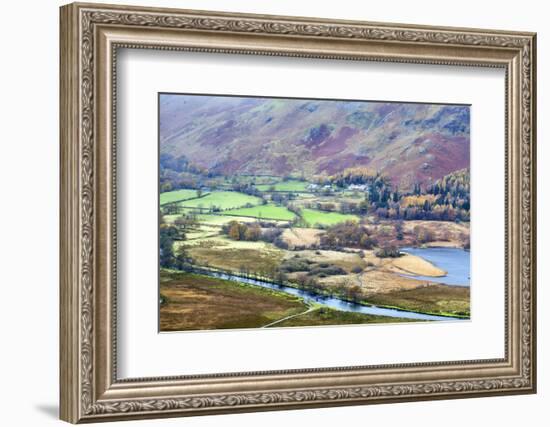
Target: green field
(258, 179)
(269, 211)
(292, 185)
(219, 219)
(177, 195)
(312, 217)
(222, 200)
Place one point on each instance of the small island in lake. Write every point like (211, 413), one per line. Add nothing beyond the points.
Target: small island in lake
(279, 212)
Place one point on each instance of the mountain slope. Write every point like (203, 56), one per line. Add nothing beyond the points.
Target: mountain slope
(407, 142)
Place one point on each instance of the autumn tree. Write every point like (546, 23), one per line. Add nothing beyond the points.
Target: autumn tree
(234, 231)
(253, 232)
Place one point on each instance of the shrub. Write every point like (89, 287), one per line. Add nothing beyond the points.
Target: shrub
(329, 270)
(235, 230)
(399, 231)
(367, 242)
(253, 233)
(387, 252)
(423, 235)
(280, 243)
(345, 234)
(269, 235)
(293, 265)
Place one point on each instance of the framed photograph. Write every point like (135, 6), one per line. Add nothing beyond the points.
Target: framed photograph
(267, 212)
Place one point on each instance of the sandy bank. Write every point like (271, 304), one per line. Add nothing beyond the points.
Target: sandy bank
(416, 266)
(443, 244)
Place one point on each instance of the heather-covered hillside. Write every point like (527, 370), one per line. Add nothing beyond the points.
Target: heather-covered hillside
(409, 143)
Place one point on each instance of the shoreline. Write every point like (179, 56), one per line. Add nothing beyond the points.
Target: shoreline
(450, 316)
(415, 265)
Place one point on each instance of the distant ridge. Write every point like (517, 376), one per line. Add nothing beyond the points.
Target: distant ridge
(410, 143)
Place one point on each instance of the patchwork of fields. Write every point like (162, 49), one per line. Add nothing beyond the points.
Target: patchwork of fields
(237, 204)
(275, 231)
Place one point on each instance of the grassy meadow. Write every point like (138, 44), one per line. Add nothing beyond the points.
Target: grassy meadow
(220, 200)
(267, 211)
(315, 217)
(177, 196)
(285, 186)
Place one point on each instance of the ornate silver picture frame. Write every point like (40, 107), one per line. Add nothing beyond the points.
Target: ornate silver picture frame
(91, 36)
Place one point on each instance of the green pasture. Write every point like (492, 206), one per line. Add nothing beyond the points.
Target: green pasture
(312, 217)
(269, 211)
(222, 200)
(291, 185)
(219, 220)
(177, 195)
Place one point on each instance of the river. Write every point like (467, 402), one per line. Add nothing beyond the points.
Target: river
(331, 302)
(456, 262)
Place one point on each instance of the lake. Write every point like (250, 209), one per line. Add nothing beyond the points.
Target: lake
(456, 262)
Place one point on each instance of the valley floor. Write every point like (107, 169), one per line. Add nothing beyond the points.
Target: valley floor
(197, 302)
(301, 260)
